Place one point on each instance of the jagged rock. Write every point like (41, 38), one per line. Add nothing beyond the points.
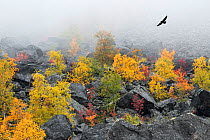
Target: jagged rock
(20, 95)
(201, 102)
(78, 92)
(126, 100)
(33, 52)
(58, 128)
(185, 127)
(77, 107)
(97, 132)
(52, 79)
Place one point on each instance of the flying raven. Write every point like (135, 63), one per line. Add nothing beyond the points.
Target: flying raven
(163, 21)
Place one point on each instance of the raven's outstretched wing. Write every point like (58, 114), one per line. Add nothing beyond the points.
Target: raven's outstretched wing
(159, 24)
(163, 21)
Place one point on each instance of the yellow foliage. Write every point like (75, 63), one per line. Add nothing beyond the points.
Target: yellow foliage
(47, 101)
(167, 55)
(164, 65)
(202, 73)
(26, 129)
(57, 63)
(157, 88)
(81, 72)
(19, 125)
(7, 71)
(128, 68)
(135, 120)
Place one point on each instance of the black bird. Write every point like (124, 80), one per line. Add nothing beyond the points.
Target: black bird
(163, 21)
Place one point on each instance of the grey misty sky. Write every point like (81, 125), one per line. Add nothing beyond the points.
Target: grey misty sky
(188, 19)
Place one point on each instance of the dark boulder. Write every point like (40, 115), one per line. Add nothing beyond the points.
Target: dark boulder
(126, 100)
(78, 92)
(58, 128)
(33, 52)
(201, 102)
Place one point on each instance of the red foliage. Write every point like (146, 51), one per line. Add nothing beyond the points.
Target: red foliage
(182, 62)
(21, 56)
(90, 93)
(89, 114)
(138, 103)
(146, 71)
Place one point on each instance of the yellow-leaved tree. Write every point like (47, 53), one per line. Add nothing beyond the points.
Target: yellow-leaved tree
(128, 68)
(47, 101)
(57, 63)
(7, 71)
(164, 65)
(18, 125)
(163, 70)
(202, 73)
(82, 72)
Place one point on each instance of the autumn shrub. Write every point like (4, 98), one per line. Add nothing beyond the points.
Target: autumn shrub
(57, 63)
(18, 125)
(164, 70)
(157, 87)
(82, 71)
(138, 104)
(7, 71)
(104, 51)
(182, 63)
(146, 72)
(128, 68)
(110, 87)
(21, 56)
(202, 73)
(89, 115)
(135, 120)
(182, 85)
(164, 65)
(47, 101)
(74, 48)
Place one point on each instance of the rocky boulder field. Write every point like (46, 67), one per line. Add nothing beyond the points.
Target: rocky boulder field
(168, 119)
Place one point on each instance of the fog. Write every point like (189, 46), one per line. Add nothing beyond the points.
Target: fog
(188, 21)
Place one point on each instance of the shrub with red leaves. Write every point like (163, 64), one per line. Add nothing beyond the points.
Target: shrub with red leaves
(21, 56)
(138, 104)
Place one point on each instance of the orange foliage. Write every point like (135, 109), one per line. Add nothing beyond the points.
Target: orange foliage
(182, 84)
(74, 48)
